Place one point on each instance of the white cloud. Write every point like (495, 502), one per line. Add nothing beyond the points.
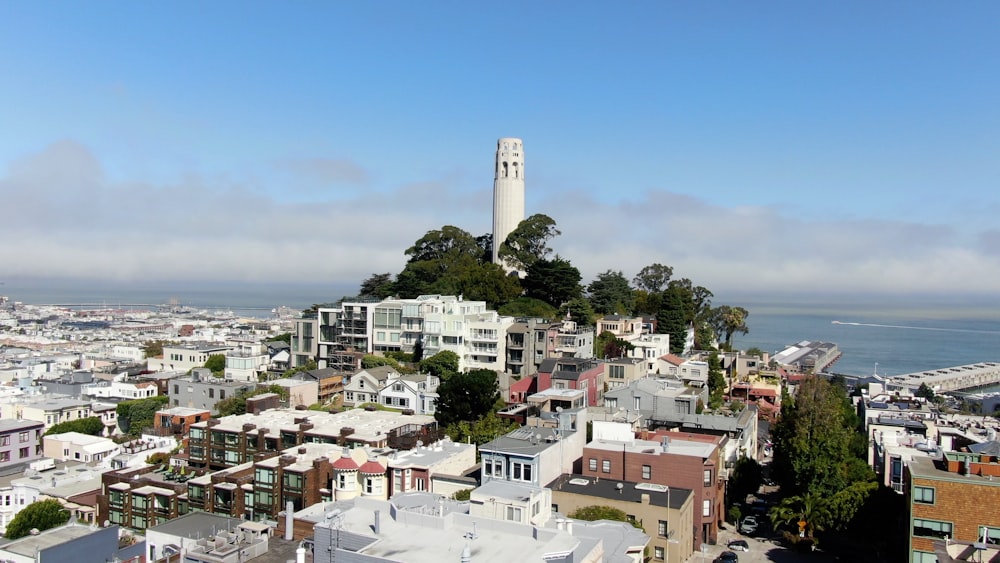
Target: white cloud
(65, 220)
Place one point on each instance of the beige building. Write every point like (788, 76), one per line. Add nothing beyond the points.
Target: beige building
(665, 514)
(74, 446)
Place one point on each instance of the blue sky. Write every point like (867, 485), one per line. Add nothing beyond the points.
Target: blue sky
(773, 146)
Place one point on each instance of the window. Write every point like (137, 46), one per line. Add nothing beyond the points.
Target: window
(24, 453)
(222, 393)
(661, 528)
(514, 513)
(4, 456)
(5, 440)
(520, 471)
(23, 437)
(924, 557)
(606, 466)
(211, 393)
(497, 468)
(658, 553)
(420, 485)
(931, 528)
(706, 507)
(638, 402)
(647, 472)
(992, 535)
(708, 477)
(593, 464)
(616, 372)
(293, 480)
(923, 495)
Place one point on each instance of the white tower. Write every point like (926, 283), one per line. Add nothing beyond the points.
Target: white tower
(508, 192)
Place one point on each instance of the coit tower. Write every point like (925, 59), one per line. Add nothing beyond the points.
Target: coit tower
(508, 192)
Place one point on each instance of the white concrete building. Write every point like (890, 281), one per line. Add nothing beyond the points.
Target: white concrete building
(74, 446)
(508, 192)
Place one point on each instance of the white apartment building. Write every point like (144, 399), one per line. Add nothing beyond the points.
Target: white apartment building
(467, 328)
(120, 389)
(185, 357)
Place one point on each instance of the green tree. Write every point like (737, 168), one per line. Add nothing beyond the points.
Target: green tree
(595, 512)
(646, 302)
(817, 450)
(579, 310)
(487, 282)
(728, 321)
(136, 415)
(528, 242)
(154, 348)
(369, 361)
(91, 425)
(716, 381)
(467, 396)
(42, 515)
(670, 319)
(746, 478)
(444, 364)
(653, 278)
(527, 307)
(284, 337)
(216, 363)
(609, 346)
(553, 281)
(478, 432)
(437, 261)
(611, 293)
(377, 286)
(925, 392)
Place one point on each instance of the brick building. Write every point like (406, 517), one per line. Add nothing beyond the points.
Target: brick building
(573, 373)
(681, 460)
(139, 497)
(952, 502)
(233, 440)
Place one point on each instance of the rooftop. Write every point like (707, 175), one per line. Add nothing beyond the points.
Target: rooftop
(659, 495)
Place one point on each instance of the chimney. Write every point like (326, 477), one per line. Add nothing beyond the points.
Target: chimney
(665, 444)
(645, 498)
(289, 519)
(569, 527)
(300, 554)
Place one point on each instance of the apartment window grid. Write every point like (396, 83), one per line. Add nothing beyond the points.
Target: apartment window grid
(923, 495)
(931, 528)
(708, 478)
(661, 528)
(659, 553)
(647, 472)
(606, 466)
(592, 464)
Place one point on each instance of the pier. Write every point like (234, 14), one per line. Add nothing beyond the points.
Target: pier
(947, 379)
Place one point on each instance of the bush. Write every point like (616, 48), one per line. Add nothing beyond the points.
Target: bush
(43, 514)
(91, 425)
(734, 514)
(464, 494)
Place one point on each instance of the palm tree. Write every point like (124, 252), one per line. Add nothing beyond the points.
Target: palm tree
(810, 512)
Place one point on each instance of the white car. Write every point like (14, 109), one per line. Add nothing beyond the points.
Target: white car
(748, 525)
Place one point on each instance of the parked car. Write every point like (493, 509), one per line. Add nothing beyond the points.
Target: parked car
(727, 557)
(739, 545)
(749, 525)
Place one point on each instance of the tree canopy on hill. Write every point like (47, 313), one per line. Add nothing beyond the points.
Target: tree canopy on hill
(451, 261)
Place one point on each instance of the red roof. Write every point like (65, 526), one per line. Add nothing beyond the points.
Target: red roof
(523, 384)
(373, 468)
(673, 359)
(346, 464)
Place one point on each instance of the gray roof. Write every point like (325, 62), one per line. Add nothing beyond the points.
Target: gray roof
(196, 525)
(608, 489)
(14, 424)
(526, 441)
(988, 448)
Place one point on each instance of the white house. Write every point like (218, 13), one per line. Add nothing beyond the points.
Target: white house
(416, 392)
